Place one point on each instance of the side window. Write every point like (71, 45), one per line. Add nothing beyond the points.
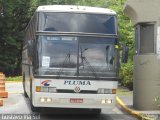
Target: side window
(144, 38)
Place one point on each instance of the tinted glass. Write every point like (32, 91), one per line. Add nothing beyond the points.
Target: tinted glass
(76, 22)
(57, 55)
(57, 52)
(97, 57)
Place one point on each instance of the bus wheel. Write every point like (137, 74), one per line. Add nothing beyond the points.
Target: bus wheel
(24, 88)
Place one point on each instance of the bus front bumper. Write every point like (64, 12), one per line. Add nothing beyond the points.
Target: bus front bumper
(70, 100)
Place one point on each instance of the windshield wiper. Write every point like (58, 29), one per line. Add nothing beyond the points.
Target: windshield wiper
(84, 59)
(67, 58)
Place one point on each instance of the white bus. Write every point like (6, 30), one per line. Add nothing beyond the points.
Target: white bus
(70, 58)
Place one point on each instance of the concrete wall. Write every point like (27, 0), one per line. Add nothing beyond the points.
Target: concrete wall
(143, 10)
(146, 81)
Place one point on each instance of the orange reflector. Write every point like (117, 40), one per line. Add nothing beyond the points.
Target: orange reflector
(114, 91)
(38, 89)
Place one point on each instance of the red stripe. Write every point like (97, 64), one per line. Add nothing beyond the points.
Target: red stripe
(44, 81)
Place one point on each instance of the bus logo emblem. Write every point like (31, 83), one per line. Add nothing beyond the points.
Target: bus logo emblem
(45, 82)
(77, 89)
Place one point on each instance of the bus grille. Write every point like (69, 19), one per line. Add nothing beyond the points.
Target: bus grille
(81, 92)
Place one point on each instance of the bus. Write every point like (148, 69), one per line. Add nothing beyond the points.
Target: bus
(70, 58)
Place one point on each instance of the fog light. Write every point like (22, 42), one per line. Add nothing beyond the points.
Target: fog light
(103, 101)
(106, 101)
(49, 99)
(42, 99)
(109, 101)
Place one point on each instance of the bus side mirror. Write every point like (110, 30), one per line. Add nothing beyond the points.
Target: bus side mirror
(30, 48)
(125, 54)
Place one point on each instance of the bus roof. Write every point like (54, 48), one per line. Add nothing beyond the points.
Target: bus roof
(74, 8)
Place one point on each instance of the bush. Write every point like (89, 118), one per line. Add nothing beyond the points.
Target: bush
(126, 75)
(16, 78)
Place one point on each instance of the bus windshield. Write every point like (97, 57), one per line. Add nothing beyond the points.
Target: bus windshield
(76, 56)
(77, 22)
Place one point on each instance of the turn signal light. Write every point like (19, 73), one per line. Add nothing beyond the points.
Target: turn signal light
(38, 89)
(114, 91)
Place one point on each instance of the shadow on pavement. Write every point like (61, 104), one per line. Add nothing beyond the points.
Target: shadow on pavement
(70, 114)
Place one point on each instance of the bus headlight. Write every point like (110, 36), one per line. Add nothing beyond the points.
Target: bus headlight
(52, 89)
(100, 91)
(46, 89)
(106, 91)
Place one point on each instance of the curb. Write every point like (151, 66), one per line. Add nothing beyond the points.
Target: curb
(132, 112)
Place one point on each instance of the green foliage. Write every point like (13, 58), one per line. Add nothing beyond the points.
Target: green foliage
(126, 75)
(126, 36)
(15, 79)
(123, 92)
(14, 18)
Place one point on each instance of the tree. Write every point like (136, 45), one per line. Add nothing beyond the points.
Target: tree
(13, 20)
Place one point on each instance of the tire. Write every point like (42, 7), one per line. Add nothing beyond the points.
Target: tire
(25, 93)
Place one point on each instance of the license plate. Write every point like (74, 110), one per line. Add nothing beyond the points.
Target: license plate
(76, 100)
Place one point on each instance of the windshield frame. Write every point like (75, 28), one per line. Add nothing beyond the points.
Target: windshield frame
(62, 76)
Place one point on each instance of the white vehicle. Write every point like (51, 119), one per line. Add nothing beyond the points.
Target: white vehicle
(70, 58)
